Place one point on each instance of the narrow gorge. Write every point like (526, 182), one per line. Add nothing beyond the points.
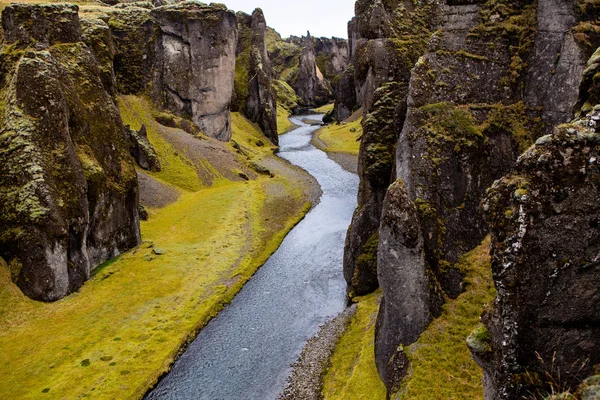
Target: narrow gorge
(193, 206)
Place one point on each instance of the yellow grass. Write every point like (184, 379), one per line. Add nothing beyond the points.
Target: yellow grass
(441, 363)
(284, 125)
(324, 109)
(340, 138)
(353, 374)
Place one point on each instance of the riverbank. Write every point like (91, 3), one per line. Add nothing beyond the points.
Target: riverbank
(341, 141)
(123, 329)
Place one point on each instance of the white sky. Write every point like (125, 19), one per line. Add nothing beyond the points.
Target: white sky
(321, 17)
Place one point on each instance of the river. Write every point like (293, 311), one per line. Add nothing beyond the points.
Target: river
(246, 351)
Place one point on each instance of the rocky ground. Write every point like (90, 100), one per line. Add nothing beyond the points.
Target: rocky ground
(306, 379)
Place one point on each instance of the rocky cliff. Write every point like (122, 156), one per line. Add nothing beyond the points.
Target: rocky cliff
(184, 54)
(69, 191)
(490, 79)
(311, 66)
(381, 65)
(310, 84)
(254, 94)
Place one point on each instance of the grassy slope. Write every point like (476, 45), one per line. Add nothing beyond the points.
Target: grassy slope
(116, 336)
(284, 125)
(336, 138)
(353, 374)
(441, 364)
(324, 109)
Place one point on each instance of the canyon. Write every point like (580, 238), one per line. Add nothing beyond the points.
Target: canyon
(155, 155)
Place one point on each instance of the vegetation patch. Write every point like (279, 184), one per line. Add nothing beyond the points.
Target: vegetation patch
(340, 138)
(353, 374)
(440, 361)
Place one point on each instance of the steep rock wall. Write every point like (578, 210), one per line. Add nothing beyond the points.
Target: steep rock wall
(383, 59)
(195, 63)
(69, 191)
(469, 114)
(185, 54)
(310, 84)
(545, 245)
(254, 94)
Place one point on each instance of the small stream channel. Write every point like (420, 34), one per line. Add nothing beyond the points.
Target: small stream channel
(247, 350)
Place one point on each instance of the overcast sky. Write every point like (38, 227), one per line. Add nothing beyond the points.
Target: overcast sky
(294, 17)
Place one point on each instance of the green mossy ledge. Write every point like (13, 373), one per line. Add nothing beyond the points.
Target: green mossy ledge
(68, 188)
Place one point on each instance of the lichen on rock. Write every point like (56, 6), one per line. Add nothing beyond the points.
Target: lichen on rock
(69, 189)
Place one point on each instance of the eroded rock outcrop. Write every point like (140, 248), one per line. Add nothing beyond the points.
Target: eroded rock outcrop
(254, 92)
(69, 194)
(483, 91)
(381, 65)
(310, 84)
(142, 150)
(195, 63)
(185, 53)
(545, 251)
(333, 57)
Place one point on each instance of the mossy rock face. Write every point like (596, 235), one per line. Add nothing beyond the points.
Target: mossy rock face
(69, 189)
(134, 33)
(98, 37)
(254, 94)
(44, 24)
(543, 218)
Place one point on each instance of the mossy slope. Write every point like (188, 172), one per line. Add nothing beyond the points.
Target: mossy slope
(441, 364)
(352, 374)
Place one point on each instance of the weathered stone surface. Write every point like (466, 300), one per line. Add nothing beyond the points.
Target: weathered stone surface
(375, 167)
(69, 194)
(42, 25)
(142, 151)
(468, 118)
(310, 84)
(195, 61)
(555, 88)
(133, 31)
(332, 57)
(98, 37)
(381, 70)
(411, 299)
(254, 90)
(545, 246)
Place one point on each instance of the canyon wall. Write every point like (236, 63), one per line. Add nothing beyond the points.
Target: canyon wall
(184, 55)
(69, 197)
(452, 93)
(254, 94)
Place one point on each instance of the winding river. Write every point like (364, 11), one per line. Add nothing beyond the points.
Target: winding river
(247, 350)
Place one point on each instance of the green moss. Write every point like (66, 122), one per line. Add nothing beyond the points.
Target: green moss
(380, 134)
(352, 374)
(440, 360)
(480, 339)
(512, 23)
(286, 96)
